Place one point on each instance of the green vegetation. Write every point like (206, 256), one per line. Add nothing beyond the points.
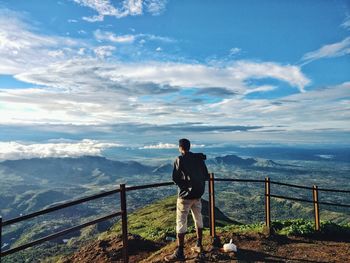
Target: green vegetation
(153, 222)
(157, 221)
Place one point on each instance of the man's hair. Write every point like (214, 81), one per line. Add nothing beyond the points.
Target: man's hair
(185, 144)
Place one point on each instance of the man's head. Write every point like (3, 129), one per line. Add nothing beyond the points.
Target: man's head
(184, 145)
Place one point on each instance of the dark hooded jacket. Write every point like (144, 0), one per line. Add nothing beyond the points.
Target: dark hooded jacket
(190, 174)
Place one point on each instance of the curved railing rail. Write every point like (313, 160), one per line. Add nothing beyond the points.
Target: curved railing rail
(123, 209)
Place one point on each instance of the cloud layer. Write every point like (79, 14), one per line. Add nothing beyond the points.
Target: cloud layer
(117, 83)
(15, 150)
(161, 145)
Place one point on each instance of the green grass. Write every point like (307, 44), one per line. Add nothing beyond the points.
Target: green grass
(293, 227)
(302, 227)
(157, 221)
(152, 222)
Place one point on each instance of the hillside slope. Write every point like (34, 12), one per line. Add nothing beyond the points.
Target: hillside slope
(150, 226)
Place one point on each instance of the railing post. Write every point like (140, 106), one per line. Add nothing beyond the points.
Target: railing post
(212, 205)
(0, 238)
(216, 242)
(316, 207)
(124, 222)
(267, 205)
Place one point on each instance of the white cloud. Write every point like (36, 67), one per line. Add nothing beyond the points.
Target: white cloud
(161, 145)
(328, 51)
(263, 88)
(134, 6)
(82, 32)
(92, 73)
(96, 18)
(326, 108)
(104, 51)
(127, 39)
(234, 51)
(21, 48)
(156, 7)
(158, 49)
(40, 106)
(126, 8)
(346, 23)
(151, 37)
(109, 36)
(15, 150)
(103, 111)
(288, 73)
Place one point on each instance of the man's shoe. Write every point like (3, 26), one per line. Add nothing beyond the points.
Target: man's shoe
(176, 256)
(197, 249)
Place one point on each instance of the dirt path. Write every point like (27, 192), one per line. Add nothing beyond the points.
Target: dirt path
(259, 248)
(251, 248)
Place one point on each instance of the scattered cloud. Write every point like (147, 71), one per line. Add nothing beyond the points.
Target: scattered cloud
(125, 8)
(234, 51)
(22, 48)
(338, 49)
(15, 150)
(104, 51)
(346, 23)
(215, 91)
(289, 73)
(109, 36)
(82, 32)
(143, 38)
(155, 7)
(263, 88)
(316, 109)
(161, 145)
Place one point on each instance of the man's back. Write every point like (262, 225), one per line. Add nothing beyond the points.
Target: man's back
(190, 174)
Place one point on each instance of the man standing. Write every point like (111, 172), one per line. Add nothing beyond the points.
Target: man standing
(189, 174)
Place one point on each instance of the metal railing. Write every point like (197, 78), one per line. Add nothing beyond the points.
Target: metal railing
(123, 213)
(267, 182)
(123, 209)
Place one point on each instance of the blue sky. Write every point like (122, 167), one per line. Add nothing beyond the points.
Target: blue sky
(93, 74)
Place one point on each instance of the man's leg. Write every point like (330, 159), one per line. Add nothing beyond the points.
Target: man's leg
(182, 210)
(196, 210)
(181, 240)
(199, 232)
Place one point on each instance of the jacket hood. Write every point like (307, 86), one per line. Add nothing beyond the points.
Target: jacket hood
(200, 156)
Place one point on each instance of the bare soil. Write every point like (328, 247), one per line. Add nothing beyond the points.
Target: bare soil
(255, 247)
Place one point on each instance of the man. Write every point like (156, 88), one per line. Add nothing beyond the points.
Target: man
(189, 174)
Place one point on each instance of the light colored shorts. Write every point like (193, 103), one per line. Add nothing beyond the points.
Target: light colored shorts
(183, 207)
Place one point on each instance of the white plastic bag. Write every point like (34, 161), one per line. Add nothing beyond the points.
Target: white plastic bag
(230, 247)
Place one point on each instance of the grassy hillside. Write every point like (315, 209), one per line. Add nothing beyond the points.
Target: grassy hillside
(157, 221)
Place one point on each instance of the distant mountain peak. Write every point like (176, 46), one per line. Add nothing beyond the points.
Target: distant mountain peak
(164, 168)
(234, 160)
